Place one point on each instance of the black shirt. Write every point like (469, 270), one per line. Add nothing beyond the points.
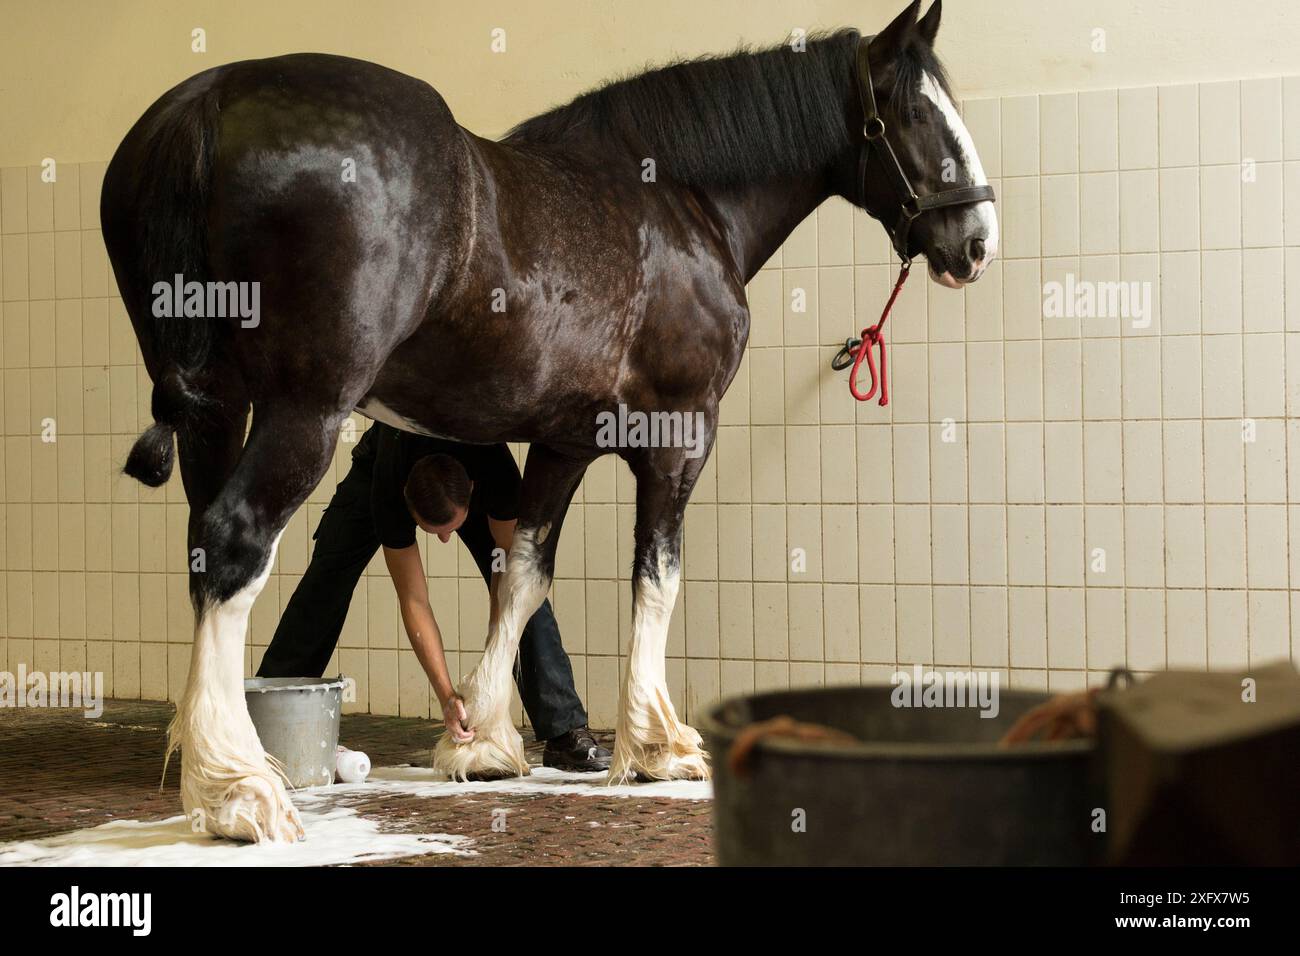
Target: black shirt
(392, 454)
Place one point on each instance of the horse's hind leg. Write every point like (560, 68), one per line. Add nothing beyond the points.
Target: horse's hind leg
(649, 741)
(228, 786)
(550, 479)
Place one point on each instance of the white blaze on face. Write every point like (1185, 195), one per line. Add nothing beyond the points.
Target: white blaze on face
(968, 159)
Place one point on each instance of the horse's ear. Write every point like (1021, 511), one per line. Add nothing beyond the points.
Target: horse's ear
(928, 25)
(890, 42)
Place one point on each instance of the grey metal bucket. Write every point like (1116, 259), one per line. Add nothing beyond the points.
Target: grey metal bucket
(297, 720)
(922, 787)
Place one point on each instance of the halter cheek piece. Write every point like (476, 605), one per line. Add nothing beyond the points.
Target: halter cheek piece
(875, 140)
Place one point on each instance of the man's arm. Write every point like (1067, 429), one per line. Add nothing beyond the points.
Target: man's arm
(407, 572)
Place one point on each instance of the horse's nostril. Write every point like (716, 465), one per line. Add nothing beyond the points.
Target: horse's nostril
(976, 250)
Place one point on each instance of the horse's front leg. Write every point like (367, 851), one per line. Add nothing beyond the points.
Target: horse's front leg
(497, 749)
(650, 741)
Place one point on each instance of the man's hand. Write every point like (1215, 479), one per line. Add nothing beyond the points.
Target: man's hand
(454, 716)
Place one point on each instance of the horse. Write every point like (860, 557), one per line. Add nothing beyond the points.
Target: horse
(594, 258)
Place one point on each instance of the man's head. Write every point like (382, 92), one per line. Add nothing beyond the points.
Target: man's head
(437, 495)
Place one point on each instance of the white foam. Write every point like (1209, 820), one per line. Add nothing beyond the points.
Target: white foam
(425, 782)
(334, 836)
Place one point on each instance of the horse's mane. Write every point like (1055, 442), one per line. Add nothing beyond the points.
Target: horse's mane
(726, 120)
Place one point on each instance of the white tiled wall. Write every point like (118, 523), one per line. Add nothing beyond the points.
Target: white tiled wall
(1070, 439)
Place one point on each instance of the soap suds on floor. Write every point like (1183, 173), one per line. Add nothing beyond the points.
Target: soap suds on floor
(334, 836)
(425, 782)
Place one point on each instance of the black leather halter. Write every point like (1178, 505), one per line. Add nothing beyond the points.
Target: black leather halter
(875, 140)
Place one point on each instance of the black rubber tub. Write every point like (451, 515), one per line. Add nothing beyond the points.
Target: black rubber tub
(921, 787)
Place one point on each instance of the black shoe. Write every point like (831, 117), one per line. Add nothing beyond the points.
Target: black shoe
(577, 751)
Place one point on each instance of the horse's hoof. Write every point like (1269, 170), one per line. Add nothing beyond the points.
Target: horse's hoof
(493, 755)
(487, 776)
(252, 809)
(651, 762)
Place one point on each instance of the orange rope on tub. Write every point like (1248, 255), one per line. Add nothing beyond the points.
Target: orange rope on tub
(740, 758)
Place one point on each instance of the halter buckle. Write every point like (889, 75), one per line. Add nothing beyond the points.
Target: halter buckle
(873, 128)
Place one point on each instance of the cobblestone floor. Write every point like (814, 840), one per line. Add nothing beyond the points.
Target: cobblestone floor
(60, 771)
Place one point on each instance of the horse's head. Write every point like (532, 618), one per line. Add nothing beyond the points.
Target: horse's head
(917, 123)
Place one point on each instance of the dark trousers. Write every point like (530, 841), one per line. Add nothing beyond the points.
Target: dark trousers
(311, 624)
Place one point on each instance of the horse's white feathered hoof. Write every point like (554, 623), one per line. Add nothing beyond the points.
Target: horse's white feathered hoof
(254, 808)
(681, 759)
(498, 752)
(650, 743)
(230, 787)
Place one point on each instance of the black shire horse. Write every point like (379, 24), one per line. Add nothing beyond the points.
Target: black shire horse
(595, 258)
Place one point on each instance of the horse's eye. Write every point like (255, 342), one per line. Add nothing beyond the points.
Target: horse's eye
(917, 116)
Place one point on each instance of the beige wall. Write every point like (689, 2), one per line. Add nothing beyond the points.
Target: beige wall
(74, 74)
(1068, 435)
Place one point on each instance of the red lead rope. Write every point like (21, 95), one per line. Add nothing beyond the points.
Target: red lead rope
(871, 336)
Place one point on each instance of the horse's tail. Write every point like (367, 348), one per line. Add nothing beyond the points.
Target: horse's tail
(154, 212)
(154, 452)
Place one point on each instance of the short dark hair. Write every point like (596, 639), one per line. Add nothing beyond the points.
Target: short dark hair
(437, 488)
